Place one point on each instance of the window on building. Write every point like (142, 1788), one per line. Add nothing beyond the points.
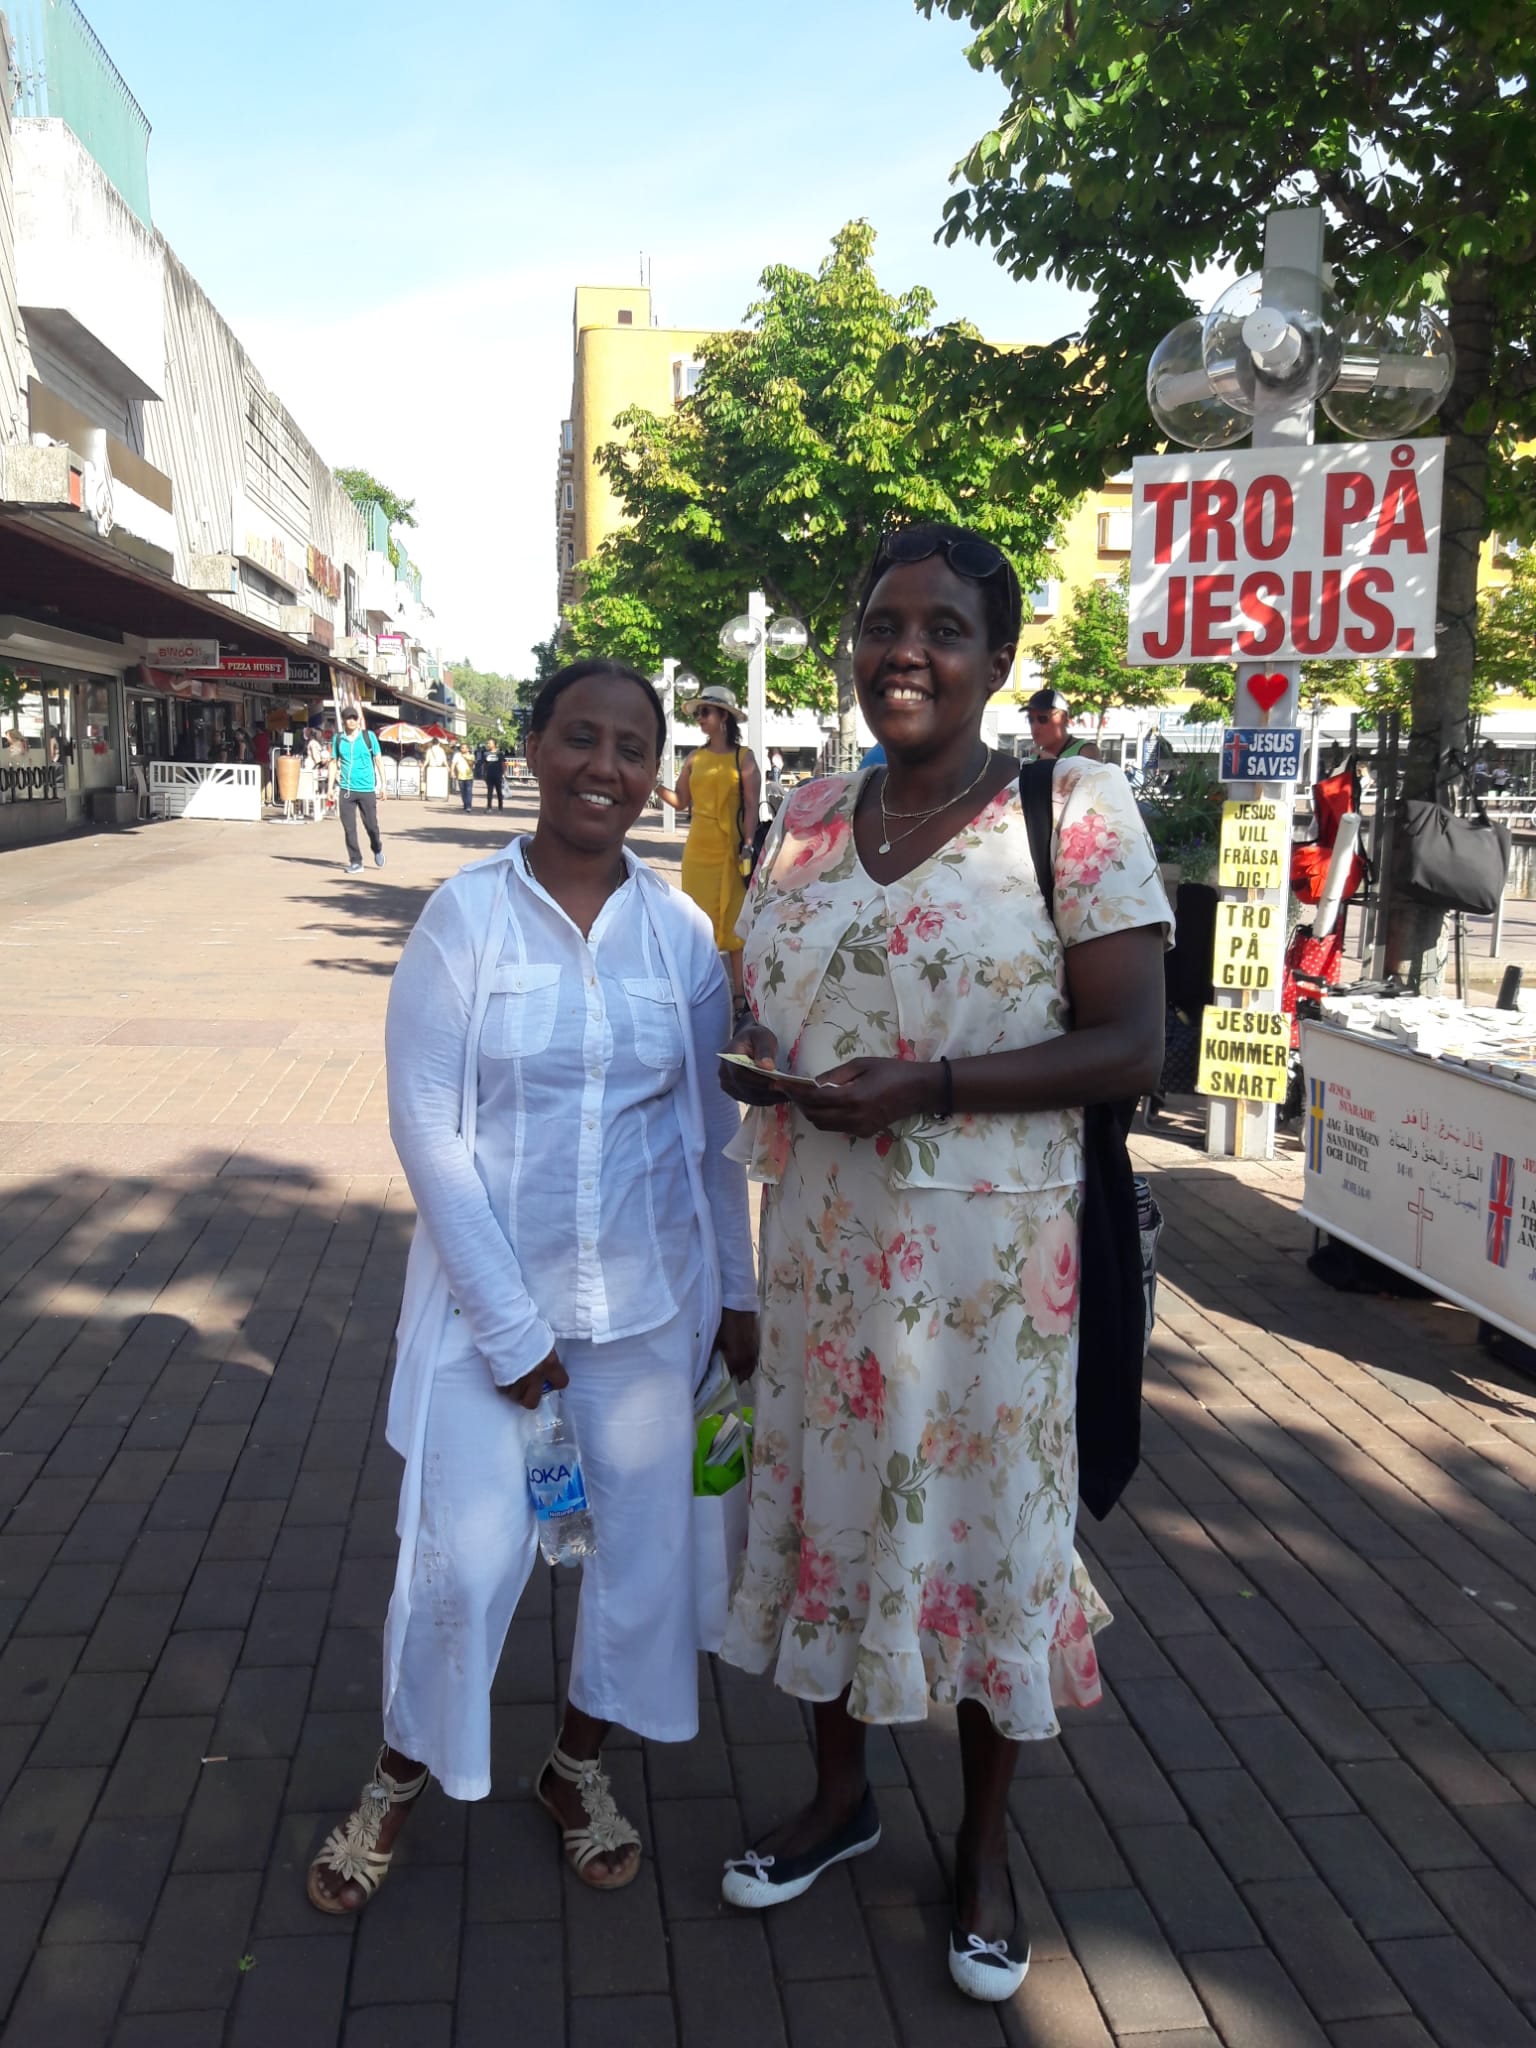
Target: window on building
(277, 466)
(567, 498)
(1114, 533)
(626, 317)
(1045, 599)
(567, 436)
(570, 555)
(685, 379)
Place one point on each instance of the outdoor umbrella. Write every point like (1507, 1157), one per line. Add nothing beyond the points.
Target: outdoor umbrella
(401, 735)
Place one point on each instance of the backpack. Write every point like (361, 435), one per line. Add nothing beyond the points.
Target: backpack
(1118, 1227)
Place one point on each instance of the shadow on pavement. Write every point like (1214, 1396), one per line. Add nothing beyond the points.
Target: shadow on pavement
(1299, 1805)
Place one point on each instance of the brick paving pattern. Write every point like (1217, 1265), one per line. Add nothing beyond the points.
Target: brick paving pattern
(1302, 1816)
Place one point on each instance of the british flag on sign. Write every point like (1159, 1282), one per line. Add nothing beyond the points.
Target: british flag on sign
(1501, 1207)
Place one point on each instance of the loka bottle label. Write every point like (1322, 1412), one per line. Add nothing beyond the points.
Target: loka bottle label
(557, 1488)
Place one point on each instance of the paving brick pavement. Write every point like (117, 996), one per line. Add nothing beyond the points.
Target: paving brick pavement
(1303, 1814)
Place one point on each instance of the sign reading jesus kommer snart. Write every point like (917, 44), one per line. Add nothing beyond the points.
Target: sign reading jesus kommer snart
(1281, 554)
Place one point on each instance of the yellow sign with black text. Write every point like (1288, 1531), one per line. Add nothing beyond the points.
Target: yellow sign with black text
(1253, 843)
(1250, 946)
(1245, 1054)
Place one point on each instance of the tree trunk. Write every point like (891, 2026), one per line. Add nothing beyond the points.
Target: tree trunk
(1442, 688)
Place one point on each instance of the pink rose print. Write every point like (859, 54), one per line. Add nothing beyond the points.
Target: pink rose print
(910, 1257)
(883, 1144)
(814, 840)
(1086, 849)
(818, 1581)
(959, 1531)
(897, 941)
(864, 1384)
(1049, 1279)
(997, 1682)
(924, 922)
(947, 1609)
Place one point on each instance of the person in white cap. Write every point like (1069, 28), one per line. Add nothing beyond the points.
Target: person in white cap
(1049, 713)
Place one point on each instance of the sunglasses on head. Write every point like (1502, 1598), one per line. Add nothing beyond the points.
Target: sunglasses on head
(974, 559)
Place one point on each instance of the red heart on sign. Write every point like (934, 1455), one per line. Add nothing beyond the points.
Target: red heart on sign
(1267, 690)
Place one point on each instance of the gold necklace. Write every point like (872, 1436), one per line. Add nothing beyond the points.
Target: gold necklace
(921, 816)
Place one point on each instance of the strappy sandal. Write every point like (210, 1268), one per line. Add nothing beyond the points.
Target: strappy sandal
(606, 1832)
(352, 1851)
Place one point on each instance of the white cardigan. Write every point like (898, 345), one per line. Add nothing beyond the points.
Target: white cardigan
(683, 936)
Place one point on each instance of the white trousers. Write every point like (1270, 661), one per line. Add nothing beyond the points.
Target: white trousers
(635, 1657)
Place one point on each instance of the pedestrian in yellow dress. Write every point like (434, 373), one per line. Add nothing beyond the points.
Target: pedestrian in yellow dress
(721, 784)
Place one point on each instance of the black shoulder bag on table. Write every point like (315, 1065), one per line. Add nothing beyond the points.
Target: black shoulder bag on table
(1115, 1288)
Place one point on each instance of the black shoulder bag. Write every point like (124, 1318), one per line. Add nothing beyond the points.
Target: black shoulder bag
(1114, 1288)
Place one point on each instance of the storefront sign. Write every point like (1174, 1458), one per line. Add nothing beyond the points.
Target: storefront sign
(1260, 753)
(323, 573)
(1427, 1166)
(305, 673)
(1253, 843)
(1266, 554)
(251, 668)
(274, 553)
(1250, 946)
(1245, 1055)
(182, 653)
(390, 643)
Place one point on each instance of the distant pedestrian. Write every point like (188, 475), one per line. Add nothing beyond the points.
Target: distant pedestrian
(1049, 713)
(493, 772)
(357, 784)
(461, 772)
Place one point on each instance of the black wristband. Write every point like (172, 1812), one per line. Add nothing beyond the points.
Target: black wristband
(947, 1103)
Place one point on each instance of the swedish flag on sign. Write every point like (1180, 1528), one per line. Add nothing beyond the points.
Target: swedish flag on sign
(1317, 1092)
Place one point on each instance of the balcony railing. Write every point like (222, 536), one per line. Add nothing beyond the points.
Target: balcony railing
(64, 74)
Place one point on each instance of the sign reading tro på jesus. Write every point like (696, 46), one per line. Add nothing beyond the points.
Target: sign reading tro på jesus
(1280, 554)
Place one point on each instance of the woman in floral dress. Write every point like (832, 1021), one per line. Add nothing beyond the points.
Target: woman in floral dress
(915, 1470)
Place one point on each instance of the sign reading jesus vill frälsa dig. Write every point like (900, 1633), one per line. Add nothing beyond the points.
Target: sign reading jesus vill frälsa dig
(1286, 554)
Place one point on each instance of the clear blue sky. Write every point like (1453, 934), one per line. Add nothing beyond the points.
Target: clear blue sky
(392, 206)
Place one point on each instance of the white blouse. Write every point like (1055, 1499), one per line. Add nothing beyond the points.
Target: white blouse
(575, 1216)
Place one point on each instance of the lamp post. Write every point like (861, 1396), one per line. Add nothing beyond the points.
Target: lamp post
(749, 638)
(673, 682)
(1272, 347)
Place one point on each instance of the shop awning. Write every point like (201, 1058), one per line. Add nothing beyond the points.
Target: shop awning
(76, 583)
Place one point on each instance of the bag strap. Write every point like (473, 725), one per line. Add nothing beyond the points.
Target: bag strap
(741, 804)
(1035, 780)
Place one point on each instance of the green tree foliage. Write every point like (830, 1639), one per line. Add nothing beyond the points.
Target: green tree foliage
(491, 702)
(1506, 636)
(799, 445)
(1084, 656)
(1143, 141)
(364, 490)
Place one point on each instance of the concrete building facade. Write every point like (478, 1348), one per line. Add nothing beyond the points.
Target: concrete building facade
(179, 569)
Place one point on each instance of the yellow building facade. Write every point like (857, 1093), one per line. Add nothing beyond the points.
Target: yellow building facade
(619, 358)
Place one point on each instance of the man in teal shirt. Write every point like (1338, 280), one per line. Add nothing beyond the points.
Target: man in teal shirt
(355, 753)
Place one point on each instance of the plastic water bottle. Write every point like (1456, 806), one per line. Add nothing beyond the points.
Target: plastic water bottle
(559, 1493)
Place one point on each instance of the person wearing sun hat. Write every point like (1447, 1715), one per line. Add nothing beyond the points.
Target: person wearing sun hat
(1048, 713)
(721, 784)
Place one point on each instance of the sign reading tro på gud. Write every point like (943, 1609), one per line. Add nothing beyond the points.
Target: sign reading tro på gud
(1245, 1055)
(1250, 946)
(1253, 845)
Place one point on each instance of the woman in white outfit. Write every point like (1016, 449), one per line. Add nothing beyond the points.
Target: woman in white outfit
(552, 1035)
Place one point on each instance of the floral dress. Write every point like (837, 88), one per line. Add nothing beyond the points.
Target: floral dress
(914, 1487)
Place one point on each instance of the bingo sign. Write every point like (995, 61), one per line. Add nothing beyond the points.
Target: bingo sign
(1271, 554)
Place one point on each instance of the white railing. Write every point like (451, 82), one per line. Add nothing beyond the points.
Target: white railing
(197, 789)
